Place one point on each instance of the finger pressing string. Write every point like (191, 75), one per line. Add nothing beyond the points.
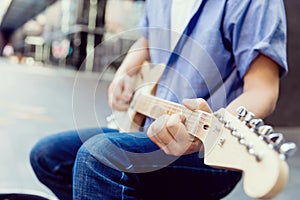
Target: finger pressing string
(197, 104)
(158, 125)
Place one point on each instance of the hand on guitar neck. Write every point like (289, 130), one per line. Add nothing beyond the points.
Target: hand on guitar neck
(170, 133)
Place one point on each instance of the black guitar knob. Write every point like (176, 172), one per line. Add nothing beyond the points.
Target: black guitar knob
(241, 112)
(288, 149)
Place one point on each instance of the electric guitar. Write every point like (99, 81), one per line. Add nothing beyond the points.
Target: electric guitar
(231, 142)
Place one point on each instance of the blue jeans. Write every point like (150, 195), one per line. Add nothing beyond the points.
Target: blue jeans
(104, 164)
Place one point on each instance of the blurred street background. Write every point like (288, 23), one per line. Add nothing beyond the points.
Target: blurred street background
(54, 77)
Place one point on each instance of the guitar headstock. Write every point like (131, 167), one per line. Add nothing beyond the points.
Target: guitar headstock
(244, 143)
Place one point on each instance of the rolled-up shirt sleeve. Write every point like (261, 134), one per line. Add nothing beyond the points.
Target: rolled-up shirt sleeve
(256, 27)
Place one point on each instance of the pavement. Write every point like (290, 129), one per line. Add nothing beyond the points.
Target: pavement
(36, 101)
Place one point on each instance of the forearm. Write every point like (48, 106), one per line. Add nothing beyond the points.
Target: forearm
(135, 57)
(261, 103)
(261, 88)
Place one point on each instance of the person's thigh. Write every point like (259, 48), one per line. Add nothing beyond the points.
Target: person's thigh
(128, 152)
(52, 158)
(106, 166)
(60, 149)
(146, 168)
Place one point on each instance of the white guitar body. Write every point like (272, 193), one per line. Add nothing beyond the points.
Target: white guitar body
(144, 82)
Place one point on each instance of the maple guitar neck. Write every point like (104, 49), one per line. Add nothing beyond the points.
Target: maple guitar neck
(197, 122)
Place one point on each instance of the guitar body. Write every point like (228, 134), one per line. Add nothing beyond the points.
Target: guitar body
(144, 82)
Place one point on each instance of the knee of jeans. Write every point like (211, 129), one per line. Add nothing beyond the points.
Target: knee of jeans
(84, 161)
(99, 149)
(93, 149)
(35, 155)
(40, 153)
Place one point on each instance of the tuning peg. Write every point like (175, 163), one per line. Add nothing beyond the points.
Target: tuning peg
(265, 130)
(241, 112)
(288, 149)
(248, 117)
(255, 124)
(276, 140)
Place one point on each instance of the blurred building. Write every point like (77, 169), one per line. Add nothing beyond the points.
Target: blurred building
(67, 32)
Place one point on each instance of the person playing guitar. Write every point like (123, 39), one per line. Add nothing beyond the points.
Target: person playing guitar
(217, 54)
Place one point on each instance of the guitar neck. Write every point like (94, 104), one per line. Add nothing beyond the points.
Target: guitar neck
(154, 107)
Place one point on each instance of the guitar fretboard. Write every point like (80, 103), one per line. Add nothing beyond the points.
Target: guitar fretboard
(154, 107)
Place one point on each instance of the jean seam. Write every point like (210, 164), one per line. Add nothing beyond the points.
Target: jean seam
(123, 188)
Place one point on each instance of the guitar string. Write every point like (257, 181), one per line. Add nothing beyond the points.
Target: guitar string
(173, 108)
(177, 108)
(193, 117)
